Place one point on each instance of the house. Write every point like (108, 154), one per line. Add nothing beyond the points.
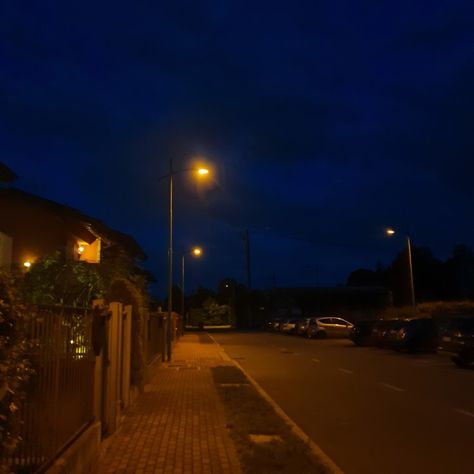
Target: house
(31, 227)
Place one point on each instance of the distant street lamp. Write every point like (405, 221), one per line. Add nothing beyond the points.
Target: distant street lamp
(195, 252)
(169, 176)
(390, 232)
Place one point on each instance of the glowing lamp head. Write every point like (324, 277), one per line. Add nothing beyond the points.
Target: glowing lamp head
(27, 264)
(390, 231)
(202, 171)
(80, 249)
(197, 251)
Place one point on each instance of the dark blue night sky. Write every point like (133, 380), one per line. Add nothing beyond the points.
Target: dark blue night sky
(325, 121)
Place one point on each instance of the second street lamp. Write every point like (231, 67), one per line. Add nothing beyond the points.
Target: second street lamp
(195, 252)
(172, 172)
(390, 232)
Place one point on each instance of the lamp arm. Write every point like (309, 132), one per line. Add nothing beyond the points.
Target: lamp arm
(177, 172)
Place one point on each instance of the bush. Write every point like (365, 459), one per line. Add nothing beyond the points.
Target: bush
(436, 310)
(15, 369)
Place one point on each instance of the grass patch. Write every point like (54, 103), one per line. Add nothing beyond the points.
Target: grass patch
(248, 414)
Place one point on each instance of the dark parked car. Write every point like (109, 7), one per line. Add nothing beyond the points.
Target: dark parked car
(384, 332)
(415, 335)
(452, 333)
(361, 333)
(457, 336)
(302, 326)
(268, 325)
(465, 357)
(289, 326)
(277, 323)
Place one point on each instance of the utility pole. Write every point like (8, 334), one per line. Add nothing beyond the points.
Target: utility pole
(169, 335)
(410, 272)
(247, 258)
(249, 275)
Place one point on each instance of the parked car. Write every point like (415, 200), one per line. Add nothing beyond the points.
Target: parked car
(465, 356)
(268, 325)
(384, 331)
(302, 326)
(276, 324)
(328, 327)
(457, 336)
(452, 333)
(289, 326)
(418, 334)
(361, 332)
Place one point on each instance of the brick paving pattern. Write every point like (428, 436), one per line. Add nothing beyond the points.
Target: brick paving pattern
(178, 424)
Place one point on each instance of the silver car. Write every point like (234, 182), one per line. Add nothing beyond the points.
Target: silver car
(328, 327)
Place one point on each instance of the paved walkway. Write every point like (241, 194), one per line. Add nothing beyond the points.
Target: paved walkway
(178, 424)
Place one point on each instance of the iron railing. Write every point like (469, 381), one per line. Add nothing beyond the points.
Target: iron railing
(59, 399)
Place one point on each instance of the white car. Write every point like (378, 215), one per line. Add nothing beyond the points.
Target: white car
(328, 327)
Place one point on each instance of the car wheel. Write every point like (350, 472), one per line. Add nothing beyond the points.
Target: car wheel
(460, 362)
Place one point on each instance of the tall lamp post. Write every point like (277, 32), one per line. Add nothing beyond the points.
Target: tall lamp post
(195, 252)
(390, 232)
(172, 172)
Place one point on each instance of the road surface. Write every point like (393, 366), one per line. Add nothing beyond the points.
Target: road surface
(370, 410)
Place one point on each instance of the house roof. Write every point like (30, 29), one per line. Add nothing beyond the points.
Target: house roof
(6, 174)
(77, 221)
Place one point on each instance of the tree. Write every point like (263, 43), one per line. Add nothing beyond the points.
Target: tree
(210, 313)
(459, 273)
(365, 277)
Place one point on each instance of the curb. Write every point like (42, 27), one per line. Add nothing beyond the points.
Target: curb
(325, 460)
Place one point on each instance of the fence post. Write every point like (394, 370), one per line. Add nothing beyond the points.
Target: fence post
(99, 342)
(164, 332)
(126, 354)
(113, 367)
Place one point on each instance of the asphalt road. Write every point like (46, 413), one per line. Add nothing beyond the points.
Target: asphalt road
(370, 410)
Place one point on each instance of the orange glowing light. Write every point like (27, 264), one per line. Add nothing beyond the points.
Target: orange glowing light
(197, 251)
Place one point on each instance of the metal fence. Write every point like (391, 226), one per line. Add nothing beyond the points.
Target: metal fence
(59, 400)
(158, 333)
(156, 336)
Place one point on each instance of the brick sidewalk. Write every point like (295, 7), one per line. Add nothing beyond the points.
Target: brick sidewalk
(178, 424)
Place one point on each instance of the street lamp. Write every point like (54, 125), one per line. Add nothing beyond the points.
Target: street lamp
(391, 232)
(195, 252)
(172, 172)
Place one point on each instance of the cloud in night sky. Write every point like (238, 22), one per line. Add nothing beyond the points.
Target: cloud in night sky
(325, 122)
